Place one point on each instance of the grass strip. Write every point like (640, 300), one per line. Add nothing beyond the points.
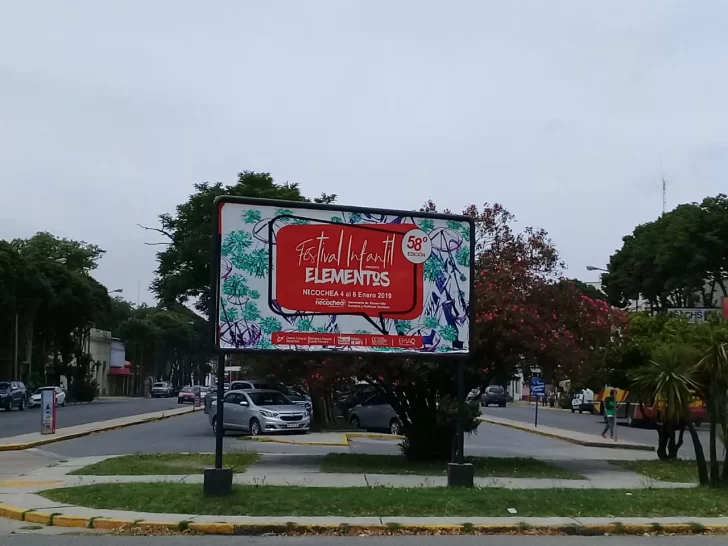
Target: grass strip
(677, 471)
(165, 464)
(486, 467)
(360, 501)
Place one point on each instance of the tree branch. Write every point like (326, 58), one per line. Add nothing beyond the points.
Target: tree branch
(158, 230)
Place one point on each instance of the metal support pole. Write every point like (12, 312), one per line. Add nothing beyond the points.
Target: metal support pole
(536, 417)
(220, 396)
(461, 413)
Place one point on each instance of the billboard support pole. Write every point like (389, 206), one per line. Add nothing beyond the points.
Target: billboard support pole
(460, 473)
(219, 480)
(219, 433)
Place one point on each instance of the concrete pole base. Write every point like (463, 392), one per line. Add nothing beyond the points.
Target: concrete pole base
(460, 475)
(218, 482)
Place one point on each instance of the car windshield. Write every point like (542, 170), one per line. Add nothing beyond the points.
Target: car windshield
(269, 399)
(187, 389)
(159, 384)
(4, 385)
(495, 390)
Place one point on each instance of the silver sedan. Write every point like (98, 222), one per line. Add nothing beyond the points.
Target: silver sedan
(260, 412)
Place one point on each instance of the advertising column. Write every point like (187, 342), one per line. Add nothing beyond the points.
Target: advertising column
(48, 411)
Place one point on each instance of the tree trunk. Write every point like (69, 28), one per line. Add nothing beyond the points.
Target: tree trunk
(714, 467)
(699, 455)
(662, 440)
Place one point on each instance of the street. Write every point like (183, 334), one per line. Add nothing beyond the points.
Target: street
(589, 424)
(15, 423)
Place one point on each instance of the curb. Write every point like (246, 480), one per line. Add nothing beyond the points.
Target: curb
(72, 435)
(586, 443)
(343, 529)
(344, 442)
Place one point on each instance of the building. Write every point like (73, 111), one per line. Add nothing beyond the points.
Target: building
(112, 372)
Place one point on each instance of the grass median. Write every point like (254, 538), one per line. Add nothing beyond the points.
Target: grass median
(678, 471)
(165, 464)
(173, 498)
(486, 467)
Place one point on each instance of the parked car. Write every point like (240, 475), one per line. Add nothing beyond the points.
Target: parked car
(36, 396)
(186, 395)
(13, 395)
(375, 414)
(297, 396)
(260, 412)
(583, 401)
(237, 385)
(354, 396)
(162, 389)
(494, 394)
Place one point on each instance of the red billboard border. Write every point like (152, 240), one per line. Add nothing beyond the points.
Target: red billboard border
(220, 201)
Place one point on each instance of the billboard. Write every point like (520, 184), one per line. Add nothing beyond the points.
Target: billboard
(291, 276)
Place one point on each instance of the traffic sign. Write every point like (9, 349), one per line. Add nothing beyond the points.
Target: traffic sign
(538, 386)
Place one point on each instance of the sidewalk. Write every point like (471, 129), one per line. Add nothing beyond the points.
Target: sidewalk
(271, 470)
(36, 439)
(588, 440)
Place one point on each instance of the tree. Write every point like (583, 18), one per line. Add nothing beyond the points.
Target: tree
(586, 289)
(49, 288)
(713, 370)
(668, 385)
(678, 260)
(183, 270)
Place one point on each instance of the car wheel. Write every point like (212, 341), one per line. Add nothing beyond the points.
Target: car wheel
(179, 400)
(255, 427)
(503, 405)
(21, 407)
(697, 423)
(581, 411)
(354, 422)
(395, 427)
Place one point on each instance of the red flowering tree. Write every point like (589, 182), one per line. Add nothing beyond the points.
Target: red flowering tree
(526, 315)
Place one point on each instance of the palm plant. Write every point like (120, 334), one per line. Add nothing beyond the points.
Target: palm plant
(668, 383)
(713, 369)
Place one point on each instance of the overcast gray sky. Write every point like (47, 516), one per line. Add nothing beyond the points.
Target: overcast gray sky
(563, 111)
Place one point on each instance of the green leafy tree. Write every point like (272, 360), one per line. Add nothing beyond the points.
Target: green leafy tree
(678, 260)
(183, 268)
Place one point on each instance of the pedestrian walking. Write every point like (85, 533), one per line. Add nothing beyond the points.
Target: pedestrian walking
(610, 414)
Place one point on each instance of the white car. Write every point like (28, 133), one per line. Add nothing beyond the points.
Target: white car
(60, 397)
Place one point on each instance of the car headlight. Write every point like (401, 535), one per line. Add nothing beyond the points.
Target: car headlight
(307, 413)
(266, 413)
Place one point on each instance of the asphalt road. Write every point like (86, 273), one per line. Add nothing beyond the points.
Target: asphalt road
(590, 424)
(14, 423)
(105, 540)
(193, 433)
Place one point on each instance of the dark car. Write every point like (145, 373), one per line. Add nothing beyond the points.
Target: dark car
(496, 395)
(13, 395)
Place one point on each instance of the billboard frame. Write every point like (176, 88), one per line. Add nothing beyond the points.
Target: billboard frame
(280, 203)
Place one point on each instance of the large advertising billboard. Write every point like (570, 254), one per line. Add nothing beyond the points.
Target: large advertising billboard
(306, 277)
